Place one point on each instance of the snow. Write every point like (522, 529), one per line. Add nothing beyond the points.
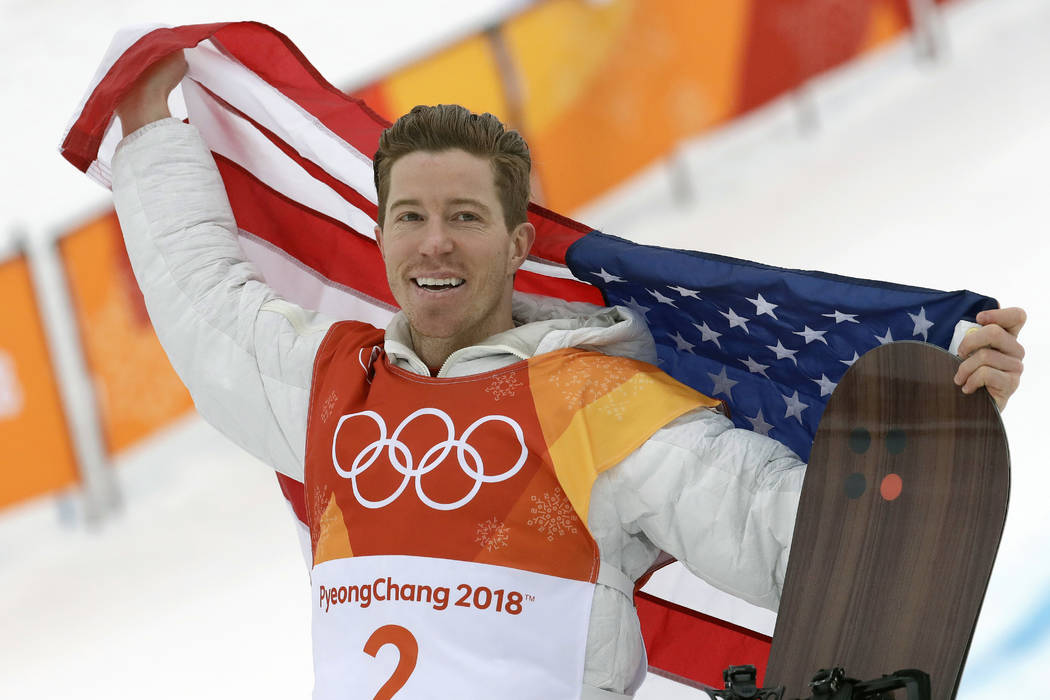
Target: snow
(926, 173)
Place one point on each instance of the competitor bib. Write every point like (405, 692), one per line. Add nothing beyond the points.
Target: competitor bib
(448, 516)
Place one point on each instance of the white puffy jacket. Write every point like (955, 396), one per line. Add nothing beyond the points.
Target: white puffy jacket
(720, 499)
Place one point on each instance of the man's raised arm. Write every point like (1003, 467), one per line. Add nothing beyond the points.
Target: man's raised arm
(245, 354)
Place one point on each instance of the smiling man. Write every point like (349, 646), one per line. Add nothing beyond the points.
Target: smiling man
(487, 477)
(450, 242)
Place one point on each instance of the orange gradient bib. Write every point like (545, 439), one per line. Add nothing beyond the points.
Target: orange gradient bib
(448, 516)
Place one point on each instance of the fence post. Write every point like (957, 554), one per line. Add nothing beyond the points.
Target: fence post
(683, 186)
(99, 491)
(927, 29)
(804, 105)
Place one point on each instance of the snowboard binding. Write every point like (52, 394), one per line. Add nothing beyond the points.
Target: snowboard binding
(827, 684)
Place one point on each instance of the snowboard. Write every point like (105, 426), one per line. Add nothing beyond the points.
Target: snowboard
(898, 525)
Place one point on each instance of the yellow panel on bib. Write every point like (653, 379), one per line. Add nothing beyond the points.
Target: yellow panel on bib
(333, 541)
(595, 410)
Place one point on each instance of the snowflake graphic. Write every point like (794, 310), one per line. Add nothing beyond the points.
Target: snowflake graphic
(329, 404)
(503, 386)
(492, 535)
(554, 515)
(316, 505)
(625, 397)
(582, 384)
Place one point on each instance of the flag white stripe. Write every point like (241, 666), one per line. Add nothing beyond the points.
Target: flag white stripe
(121, 42)
(677, 584)
(542, 267)
(234, 137)
(99, 170)
(294, 281)
(249, 93)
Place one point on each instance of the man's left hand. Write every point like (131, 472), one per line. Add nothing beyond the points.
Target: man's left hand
(992, 354)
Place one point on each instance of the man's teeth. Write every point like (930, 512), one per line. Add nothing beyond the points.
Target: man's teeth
(439, 282)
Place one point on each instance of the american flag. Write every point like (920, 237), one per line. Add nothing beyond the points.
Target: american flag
(770, 342)
(295, 156)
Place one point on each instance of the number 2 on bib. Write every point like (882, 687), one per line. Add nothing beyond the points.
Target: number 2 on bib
(408, 650)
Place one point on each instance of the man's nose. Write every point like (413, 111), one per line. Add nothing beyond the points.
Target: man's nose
(437, 239)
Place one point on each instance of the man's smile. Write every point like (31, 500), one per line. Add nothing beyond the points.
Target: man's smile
(438, 284)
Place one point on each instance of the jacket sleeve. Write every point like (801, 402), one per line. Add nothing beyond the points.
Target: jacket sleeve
(719, 499)
(245, 354)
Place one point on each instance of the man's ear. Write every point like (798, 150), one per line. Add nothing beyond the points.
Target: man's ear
(522, 238)
(379, 239)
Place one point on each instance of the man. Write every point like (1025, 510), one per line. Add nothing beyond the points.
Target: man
(487, 478)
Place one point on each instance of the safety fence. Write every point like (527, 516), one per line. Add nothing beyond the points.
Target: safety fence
(82, 375)
(600, 90)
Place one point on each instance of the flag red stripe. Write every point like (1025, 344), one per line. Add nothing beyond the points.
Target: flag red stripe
(80, 147)
(295, 494)
(317, 172)
(318, 241)
(554, 233)
(695, 645)
(569, 290)
(275, 59)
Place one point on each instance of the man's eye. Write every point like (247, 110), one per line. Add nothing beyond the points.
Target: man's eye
(409, 216)
(466, 216)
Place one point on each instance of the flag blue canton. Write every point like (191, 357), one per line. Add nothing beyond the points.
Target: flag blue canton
(770, 342)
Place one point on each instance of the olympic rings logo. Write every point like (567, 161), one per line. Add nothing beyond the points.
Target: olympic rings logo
(402, 459)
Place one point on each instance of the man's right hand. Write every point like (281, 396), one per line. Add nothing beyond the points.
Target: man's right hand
(147, 101)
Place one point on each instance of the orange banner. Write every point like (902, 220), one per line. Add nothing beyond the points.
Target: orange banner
(601, 90)
(36, 454)
(136, 388)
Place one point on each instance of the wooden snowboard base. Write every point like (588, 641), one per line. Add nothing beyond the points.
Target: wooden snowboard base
(898, 525)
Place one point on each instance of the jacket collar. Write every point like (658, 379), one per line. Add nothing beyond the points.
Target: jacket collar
(542, 324)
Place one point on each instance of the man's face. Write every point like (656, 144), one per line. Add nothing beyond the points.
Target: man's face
(450, 259)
